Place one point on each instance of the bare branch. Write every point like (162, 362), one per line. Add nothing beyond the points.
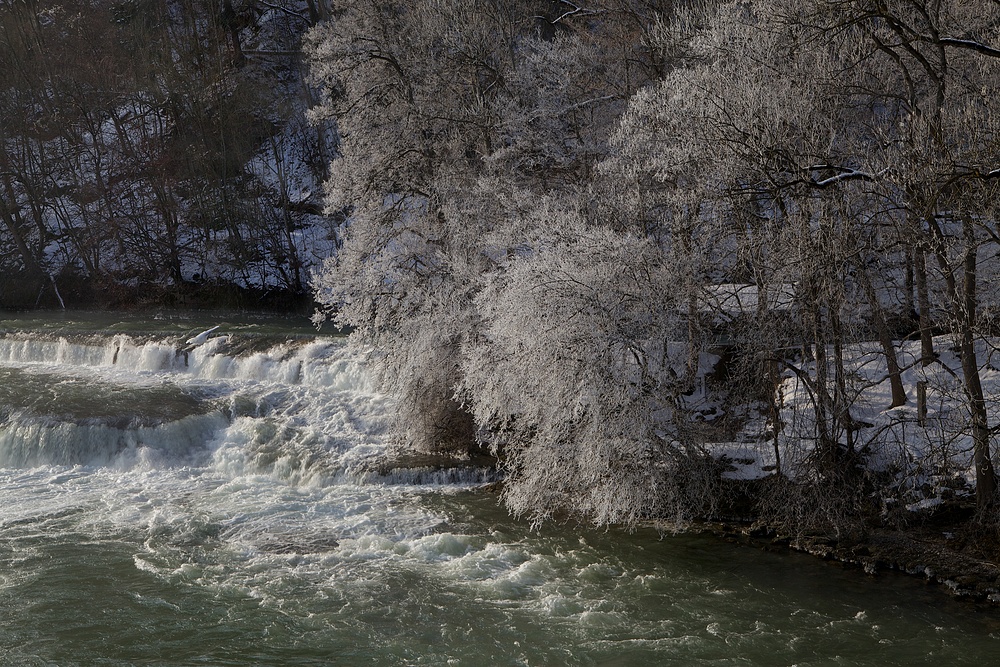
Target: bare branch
(972, 45)
(845, 175)
(285, 10)
(577, 10)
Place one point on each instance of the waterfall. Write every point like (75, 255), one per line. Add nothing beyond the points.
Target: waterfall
(301, 410)
(319, 363)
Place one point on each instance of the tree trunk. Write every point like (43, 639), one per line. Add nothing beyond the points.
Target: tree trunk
(841, 404)
(924, 304)
(12, 219)
(986, 484)
(885, 340)
(822, 393)
(926, 341)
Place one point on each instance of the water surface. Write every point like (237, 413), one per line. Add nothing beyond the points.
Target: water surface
(220, 508)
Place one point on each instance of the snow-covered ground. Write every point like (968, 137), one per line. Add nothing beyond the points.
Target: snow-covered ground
(923, 460)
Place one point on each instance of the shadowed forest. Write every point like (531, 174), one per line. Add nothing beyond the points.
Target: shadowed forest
(151, 147)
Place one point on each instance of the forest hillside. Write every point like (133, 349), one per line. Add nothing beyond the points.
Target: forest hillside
(150, 149)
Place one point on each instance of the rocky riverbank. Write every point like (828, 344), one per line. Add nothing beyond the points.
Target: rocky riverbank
(961, 558)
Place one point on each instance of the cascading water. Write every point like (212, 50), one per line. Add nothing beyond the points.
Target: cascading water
(228, 501)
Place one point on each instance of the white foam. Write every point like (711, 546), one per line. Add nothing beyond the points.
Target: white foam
(322, 363)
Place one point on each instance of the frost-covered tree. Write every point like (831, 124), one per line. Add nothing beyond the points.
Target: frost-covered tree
(484, 262)
(933, 68)
(413, 88)
(745, 139)
(578, 377)
(553, 207)
(757, 142)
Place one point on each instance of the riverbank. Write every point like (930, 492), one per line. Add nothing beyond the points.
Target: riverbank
(76, 292)
(958, 557)
(944, 546)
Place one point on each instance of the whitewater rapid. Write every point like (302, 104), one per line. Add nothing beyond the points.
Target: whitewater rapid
(293, 410)
(255, 452)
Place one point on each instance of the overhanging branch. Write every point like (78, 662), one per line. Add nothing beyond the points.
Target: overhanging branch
(972, 45)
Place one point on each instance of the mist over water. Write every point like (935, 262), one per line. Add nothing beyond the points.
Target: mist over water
(163, 503)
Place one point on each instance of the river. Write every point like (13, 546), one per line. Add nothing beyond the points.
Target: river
(215, 503)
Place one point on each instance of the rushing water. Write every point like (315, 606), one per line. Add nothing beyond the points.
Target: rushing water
(165, 503)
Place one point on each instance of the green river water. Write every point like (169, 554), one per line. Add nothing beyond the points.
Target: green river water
(217, 507)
